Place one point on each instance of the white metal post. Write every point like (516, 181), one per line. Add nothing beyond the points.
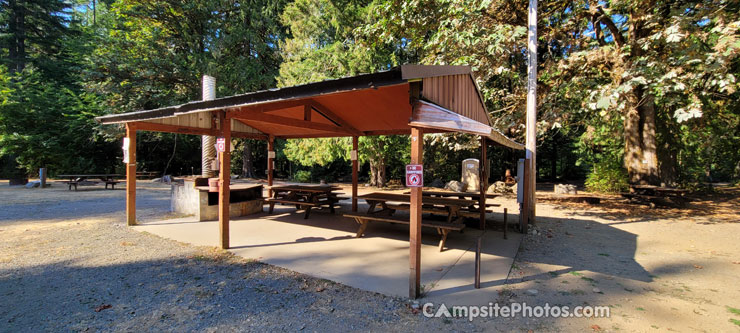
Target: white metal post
(532, 109)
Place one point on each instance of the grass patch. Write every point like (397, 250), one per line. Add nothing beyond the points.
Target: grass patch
(640, 309)
(553, 273)
(588, 279)
(735, 321)
(604, 254)
(574, 273)
(733, 310)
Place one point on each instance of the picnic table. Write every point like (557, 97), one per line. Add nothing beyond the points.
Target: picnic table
(305, 197)
(656, 195)
(475, 196)
(453, 194)
(107, 178)
(454, 209)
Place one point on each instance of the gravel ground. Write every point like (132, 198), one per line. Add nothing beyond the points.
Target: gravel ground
(69, 263)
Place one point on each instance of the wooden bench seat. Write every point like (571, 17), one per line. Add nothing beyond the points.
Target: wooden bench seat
(438, 210)
(443, 228)
(299, 204)
(654, 201)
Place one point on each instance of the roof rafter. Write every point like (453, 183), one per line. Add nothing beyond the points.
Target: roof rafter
(246, 116)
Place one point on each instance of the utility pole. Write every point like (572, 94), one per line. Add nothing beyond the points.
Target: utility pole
(531, 143)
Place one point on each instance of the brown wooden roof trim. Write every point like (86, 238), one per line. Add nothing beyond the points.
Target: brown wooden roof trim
(364, 81)
(431, 116)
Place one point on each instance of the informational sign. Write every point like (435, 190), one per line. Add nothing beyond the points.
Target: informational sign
(271, 154)
(126, 144)
(353, 155)
(221, 145)
(414, 175)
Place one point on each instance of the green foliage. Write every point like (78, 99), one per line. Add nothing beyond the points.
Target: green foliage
(302, 176)
(323, 45)
(37, 32)
(443, 154)
(47, 124)
(318, 151)
(607, 179)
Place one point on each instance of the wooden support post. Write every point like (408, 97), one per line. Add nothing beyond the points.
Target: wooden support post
(524, 211)
(131, 175)
(270, 162)
(506, 223)
(477, 264)
(354, 172)
(483, 181)
(417, 146)
(224, 181)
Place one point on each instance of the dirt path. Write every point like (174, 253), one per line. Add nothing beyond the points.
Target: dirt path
(64, 255)
(661, 269)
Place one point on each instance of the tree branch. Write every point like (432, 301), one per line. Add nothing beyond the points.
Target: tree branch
(604, 18)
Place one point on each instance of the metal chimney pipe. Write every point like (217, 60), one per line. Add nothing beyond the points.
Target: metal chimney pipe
(208, 152)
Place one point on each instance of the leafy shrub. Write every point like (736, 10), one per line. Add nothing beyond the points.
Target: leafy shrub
(302, 176)
(607, 179)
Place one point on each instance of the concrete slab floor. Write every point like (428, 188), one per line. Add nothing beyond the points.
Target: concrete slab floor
(325, 246)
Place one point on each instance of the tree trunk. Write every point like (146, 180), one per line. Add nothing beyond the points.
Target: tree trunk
(248, 160)
(640, 147)
(17, 29)
(377, 173)
(373, 174)
(381, 173)
(554, 161)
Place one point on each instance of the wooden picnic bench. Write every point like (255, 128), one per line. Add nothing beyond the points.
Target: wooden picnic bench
(147, 174)
(305, 197)
(443, 228)
(108, 179)
(453, 209)
(463, 195)
(656, 196)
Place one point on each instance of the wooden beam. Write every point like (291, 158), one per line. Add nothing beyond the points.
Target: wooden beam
(432, 116)
(388, 132)
(417, 146)
(317, 135)
(270, 107)
(355, 166)
(224, 181)
(152, 127)
(131, 175)
(287, 121)
(270, 162)
(145, 126)
(307, 112)
(243, 135)
(334, 118)
(483, 181)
